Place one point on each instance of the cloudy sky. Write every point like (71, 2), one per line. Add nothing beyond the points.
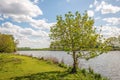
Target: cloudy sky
(30, 20)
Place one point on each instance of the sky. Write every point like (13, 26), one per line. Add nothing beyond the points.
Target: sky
(29, 21)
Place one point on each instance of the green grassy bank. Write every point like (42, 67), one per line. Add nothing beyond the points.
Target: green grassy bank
(16, 67)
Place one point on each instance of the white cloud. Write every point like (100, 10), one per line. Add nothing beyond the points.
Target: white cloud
(41, 24)
(26, 36)
(36, 43)
(106, 8)
(112, 20)
(19, 9)
(90, 13)
(9, 28)
(95, 2)
(24, 11)
(109, 31)
(27, 31)
(21, 18)
(36, 1)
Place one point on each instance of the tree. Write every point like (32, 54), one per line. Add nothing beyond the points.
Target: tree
(119, 39)
(76, 34)
(7, 43)
(114, 42)
(56, 46)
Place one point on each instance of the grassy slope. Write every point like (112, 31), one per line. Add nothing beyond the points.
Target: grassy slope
(14, 65)
(27, 68)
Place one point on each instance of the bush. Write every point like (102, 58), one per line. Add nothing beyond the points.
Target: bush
(84, 72)
(97, 76)
(62, 65)
(91, 70)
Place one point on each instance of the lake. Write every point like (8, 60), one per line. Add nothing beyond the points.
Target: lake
(106, 64)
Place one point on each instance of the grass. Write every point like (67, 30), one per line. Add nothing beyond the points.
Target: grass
(16, 67)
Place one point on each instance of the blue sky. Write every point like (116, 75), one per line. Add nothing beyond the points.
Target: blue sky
(29, 21)
(60, 7)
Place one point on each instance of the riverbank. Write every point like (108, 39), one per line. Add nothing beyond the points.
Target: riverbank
(18, 67)
(50, 49)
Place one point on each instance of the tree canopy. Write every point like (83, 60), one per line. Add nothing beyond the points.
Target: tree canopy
(7, 43)
(114, 42)
(75, 33)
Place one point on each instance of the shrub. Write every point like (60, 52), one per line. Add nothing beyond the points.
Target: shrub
(90, 70)
(62, 65)
(97, 76)
(84, 72)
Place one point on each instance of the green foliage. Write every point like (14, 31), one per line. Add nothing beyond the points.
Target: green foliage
(90, 70)
(83, 72)
(7, 43)
(33, 49)
(57, 75)
(114, 42)
(62, 65)
(97, 76)
(75, 33)
(24, 48)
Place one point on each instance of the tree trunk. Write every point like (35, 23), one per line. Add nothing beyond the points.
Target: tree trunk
(75, 64)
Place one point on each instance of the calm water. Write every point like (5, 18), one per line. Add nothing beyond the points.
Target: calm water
(105, 64)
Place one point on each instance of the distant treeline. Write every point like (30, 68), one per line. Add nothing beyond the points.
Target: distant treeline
(114, 42)
(7, 43)
(115, 48)
(53, 49)
(37, 49)
(32, 49)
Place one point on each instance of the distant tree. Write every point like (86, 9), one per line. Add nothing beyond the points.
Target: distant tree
(111, 41)
(24, 48)
(75, 33)
(56, 46)
(7, 43)
(119, 39)
(114, 41)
